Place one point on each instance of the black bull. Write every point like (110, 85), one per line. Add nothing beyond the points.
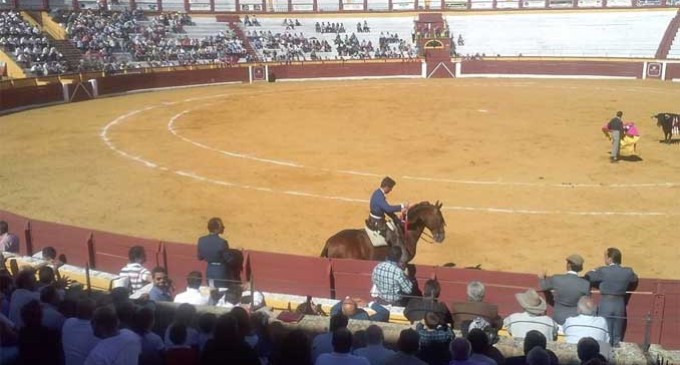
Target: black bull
(666, 121)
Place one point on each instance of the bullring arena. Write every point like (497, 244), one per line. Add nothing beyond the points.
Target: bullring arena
(520, 165)
(510, 144)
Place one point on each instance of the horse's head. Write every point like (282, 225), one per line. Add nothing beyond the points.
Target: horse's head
(431, 216)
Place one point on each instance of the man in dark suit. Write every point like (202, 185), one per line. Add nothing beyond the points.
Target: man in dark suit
(613, 280)
(567, 289)
(475, 307)
(215, 251)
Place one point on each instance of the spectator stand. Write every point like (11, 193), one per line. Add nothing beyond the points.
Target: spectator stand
(314, 38)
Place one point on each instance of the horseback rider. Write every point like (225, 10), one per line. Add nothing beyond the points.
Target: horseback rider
(379, 208)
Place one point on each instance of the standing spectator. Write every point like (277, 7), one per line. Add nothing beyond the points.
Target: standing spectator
(375, 351)
(160, 292)
(138, 275)
(407, 344)
(567, 289)
(214, 250)
(435, 339)
(193, 295)
(613, 280)
(389, 278)
(417, 307)
(533, 317)
(342, 345)
(475, 307)
(117, 347)
(615, 127)
(77, 338)
(323, 343)
(8, 241)
(38, 345)
(586, 323)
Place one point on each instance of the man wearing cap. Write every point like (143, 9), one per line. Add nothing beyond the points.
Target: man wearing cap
(567, 289)
(613, 280)
(379, 207)
(533, 317)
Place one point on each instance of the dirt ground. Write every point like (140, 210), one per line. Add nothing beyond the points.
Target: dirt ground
(520, 165)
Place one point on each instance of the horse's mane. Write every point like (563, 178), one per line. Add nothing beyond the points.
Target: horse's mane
(417, 207)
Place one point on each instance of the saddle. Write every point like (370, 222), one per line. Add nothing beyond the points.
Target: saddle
(376, 233)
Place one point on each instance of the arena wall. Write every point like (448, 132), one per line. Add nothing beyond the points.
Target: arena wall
(652, 308)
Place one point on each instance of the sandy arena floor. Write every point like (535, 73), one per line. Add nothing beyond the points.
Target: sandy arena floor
(521, 166)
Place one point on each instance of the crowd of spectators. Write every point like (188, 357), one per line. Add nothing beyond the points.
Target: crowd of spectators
(329, 27)
(29, 46)
(44, 319)
(287, 46)
(155, 42)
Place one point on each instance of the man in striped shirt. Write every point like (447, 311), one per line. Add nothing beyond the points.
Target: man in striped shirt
(138, 275)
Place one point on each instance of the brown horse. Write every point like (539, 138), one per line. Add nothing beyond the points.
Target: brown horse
(355, 244)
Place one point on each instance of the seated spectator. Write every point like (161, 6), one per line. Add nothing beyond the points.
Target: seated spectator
(434, 340)
(243, 321)
(23, 294)
(538, 356)
(259, 323)
(586, 323)
(152, 345)
(178, 353)
(350, 308)
(117, 346)
(342, 345)
(193, 295)
(184, 315)
(475, 307)
(125, 310)
(228, 346)
(160, 292)
(253, 301)
(37, 344)
(77, 337)
(47, 278)
(8, 241)
(408, 345)
(294, 350)
(389, 279)
(206, 324)
(52, 318)
(460, 352)
(482, 351)
(323, 343)
(375, 351)
(49, 255)
(417, 307)
(9, 338)
(137, 274)
(588, 350)
(533, 339)
(533, 317)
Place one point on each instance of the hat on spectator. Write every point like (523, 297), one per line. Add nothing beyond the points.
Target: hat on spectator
(531, 302)
(577, 261)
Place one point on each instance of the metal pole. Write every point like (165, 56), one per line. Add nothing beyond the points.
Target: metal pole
(648, 332)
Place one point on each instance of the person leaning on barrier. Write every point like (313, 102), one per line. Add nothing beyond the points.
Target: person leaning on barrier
(613, 280)
(567, 288)
(389, 279)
